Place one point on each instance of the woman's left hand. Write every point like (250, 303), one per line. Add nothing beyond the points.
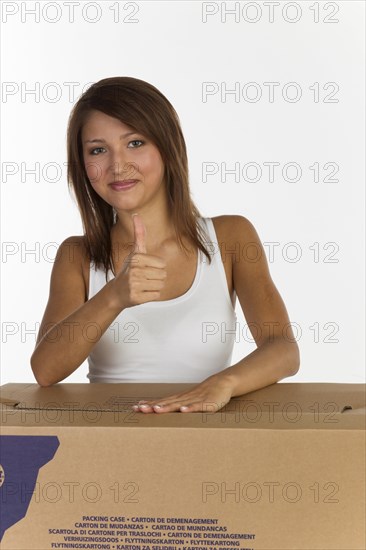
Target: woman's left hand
(208, 396)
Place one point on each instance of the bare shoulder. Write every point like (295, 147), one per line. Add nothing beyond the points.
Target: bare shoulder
(232, 226)
(78, 240)
(70, 267)
(240, 242)
(261, 303)
(76, 248)
(73, 256)
(234, 234)
(67, 285)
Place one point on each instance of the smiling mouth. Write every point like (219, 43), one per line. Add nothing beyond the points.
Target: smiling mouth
(126, 184)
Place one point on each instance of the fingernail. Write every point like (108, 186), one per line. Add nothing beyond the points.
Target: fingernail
(184, 408)
(157, 406)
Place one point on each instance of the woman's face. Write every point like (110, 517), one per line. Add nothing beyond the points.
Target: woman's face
(110, 155)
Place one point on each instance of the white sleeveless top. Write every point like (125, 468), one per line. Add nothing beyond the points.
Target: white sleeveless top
(186, 339)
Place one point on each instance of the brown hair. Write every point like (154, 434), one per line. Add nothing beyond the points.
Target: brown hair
(140, 105)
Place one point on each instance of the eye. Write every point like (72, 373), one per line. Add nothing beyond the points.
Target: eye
(136, 141)
(91, 152)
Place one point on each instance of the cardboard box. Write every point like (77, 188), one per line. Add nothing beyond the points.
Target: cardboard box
(279, 468)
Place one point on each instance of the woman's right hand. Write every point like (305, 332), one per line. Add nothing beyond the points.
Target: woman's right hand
(142, 276)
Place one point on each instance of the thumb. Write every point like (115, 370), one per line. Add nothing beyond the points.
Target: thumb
(140, 234)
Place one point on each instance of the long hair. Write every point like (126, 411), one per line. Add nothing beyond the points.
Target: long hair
(140, 105)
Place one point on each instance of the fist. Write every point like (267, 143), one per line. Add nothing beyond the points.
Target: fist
(142, 276)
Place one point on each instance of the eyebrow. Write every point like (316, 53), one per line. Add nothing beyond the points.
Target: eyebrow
(100, 140)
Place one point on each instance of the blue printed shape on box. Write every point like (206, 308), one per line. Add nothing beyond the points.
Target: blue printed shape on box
(21, 457)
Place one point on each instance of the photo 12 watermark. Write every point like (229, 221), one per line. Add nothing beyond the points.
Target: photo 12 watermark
(270, 12)
(72, 12)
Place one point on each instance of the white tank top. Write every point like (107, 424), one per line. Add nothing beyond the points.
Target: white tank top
(186, 339)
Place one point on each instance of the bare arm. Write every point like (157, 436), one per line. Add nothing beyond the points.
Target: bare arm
(277, 355)
(64, 339)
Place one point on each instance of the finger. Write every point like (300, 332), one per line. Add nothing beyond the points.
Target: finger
(143, 407)
(195, 407)
(163, 402)
(183, 405)
(155, 263)
(173, 401)
(154, 273)
(175, 405)
(188, 406)
(147, 272)
(140, 234)
(153, 407)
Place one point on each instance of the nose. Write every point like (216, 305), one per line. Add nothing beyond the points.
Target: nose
(123, 167)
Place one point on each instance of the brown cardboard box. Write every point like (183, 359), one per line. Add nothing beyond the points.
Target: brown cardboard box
(279, 468)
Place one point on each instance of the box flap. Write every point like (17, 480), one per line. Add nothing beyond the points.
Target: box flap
(319, 397)
(79, 396)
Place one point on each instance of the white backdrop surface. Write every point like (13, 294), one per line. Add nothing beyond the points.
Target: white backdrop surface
(271, 100)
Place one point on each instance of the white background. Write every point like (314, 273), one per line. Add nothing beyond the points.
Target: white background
(170, 46)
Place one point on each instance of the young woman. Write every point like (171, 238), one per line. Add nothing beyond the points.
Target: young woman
(148, 293)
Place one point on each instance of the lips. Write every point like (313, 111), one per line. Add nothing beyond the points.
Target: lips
(125, 184)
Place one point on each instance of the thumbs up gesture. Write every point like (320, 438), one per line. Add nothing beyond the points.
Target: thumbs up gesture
(142, 275)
